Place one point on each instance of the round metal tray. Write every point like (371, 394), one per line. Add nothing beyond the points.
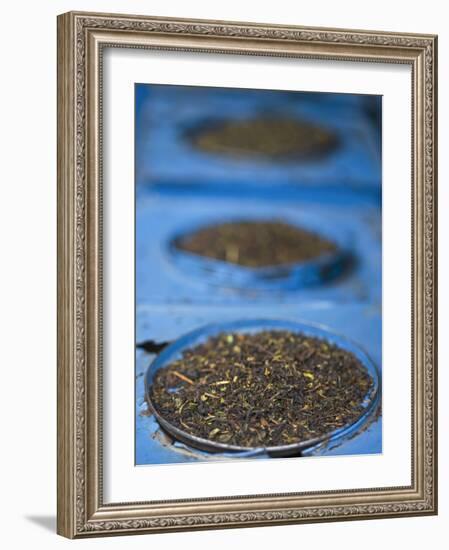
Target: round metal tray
(174, 351)
(316, 140)
(284, 277)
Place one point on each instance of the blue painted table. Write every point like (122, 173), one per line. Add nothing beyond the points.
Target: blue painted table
(178, 188)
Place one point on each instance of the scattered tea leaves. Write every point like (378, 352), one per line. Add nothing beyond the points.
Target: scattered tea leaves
(278, 388)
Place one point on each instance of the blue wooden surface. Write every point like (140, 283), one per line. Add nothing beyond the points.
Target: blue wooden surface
(160, 279)
(168, 162)
(177, 188)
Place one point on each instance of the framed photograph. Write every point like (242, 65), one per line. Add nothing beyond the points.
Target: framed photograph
(246, 274)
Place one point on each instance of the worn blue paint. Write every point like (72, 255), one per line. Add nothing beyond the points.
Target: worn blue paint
(178, 188)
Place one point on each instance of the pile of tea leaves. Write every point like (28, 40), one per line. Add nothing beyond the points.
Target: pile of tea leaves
(256, 243)
(263, 389)
(279, 138)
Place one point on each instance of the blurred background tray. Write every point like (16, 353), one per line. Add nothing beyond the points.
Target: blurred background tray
(170, 163)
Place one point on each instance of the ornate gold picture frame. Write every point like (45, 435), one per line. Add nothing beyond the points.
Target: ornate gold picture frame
(82, 40)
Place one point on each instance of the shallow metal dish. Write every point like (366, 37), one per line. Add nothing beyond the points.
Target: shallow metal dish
(174, 351)
(291, 276)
